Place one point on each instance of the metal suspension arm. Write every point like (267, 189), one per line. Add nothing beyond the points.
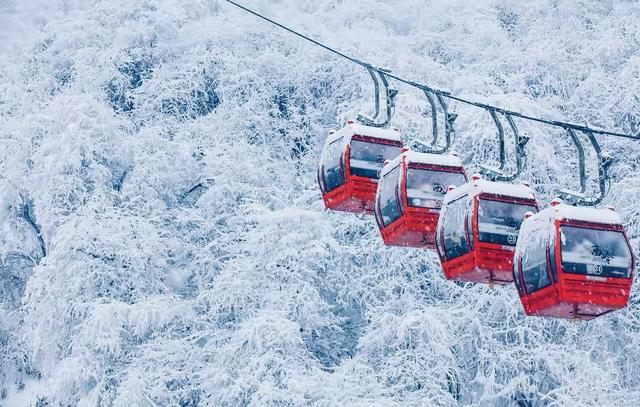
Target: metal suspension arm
(578, 198)
(604, 162)
(520, 142)
(434, 119)
(432, 146)
(390, 94)
(376, 92)
(390, 99)
(501, 152)
(581, 163)
(498, 174)
(449, 119)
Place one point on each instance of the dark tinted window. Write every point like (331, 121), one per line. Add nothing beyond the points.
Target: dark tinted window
(470, 230)
(499, 222)
(333, 176)
(388, 201)
(453, 232)
(594, 252)
(426, 188)
(368, 158)
(516, 278)
(534, 266)
(552, 262)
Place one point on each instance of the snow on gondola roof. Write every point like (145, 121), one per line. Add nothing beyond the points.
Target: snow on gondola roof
(482, 186)
(352, 129)
(562, 211)
(445, 160)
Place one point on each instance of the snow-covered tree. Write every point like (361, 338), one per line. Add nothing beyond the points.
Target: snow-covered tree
(162, 236)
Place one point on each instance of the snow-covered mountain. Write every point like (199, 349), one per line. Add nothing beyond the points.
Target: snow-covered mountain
(162, 236)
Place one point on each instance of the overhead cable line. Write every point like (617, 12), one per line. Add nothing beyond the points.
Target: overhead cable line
(448, 95)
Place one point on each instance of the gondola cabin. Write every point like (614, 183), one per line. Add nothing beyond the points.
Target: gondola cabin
(350, 164)
(410, 194)
(478, 229)
(573, 262)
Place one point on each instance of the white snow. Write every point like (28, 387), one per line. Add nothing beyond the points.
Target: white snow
(410, 156)
(352, 129)
(447, 160)
(604, 216)
(163, 240)
(375, 132)
(27, 395)
(480, 186)
(562, 211)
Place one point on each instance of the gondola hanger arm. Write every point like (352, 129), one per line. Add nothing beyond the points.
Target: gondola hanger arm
(494, 173)
(603, 162)
(499, 174)
(449, 119)
(378, 75)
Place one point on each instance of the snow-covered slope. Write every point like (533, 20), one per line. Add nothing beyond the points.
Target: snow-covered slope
(163, 240)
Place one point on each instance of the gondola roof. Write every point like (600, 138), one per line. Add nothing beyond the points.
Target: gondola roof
(479, 186)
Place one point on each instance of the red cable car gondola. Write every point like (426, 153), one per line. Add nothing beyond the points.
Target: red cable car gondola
(350, 164)
(409, 196)
(576, 262)
(478, 229)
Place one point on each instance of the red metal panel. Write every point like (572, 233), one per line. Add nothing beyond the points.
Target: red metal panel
(356, 195)
(412, 229)
(455, 269)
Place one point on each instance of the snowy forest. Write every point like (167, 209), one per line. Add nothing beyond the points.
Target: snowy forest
(163, 240)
